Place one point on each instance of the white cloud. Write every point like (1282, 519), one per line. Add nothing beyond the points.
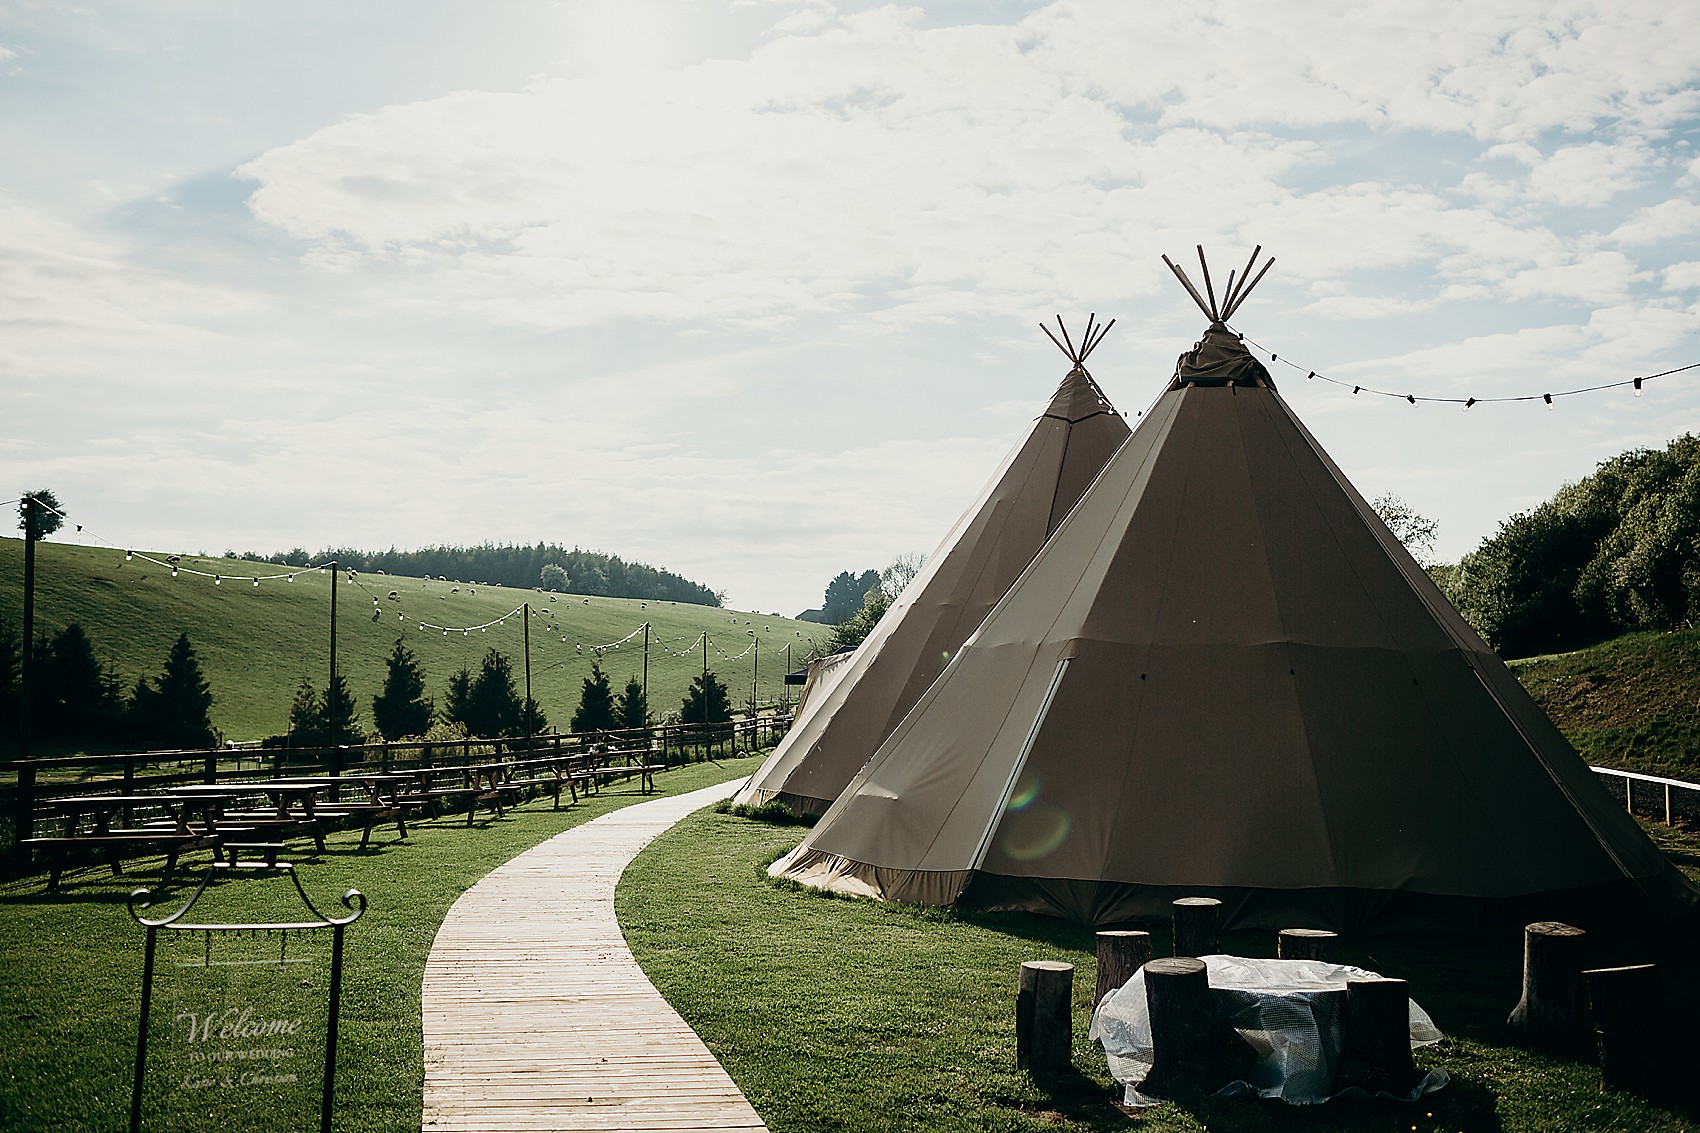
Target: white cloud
(1668, 220)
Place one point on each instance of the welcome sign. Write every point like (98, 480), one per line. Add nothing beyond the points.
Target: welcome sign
(239, 1019)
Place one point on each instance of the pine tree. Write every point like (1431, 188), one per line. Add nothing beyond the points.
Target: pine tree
(338, 705)
(706, 703)
(306, 721)
(402, 709)
(77, 695)
(532, 719)
(631, 707)
(494, 707)
(11, 657)
(457, 701)
(175, 712)
(595, 704)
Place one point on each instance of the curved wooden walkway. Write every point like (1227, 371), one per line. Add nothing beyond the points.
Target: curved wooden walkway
(537, 1017)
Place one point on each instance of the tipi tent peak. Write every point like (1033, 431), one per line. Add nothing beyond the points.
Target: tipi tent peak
(1088, 343)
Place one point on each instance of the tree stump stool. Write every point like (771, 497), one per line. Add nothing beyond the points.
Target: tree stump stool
(1184, 1036)
(1629, 1028)
(1044, 1017)
(1552, 1015)
(1304, 943)
(1197, 926)
(1375, 1053)
(1121, 953)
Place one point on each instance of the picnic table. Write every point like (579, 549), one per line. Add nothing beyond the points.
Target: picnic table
(489, 783)
(290, 808)
(86, 828)
(374, 801)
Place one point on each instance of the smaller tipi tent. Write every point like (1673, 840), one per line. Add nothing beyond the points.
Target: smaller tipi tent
(1040, 480)
(1223, 676)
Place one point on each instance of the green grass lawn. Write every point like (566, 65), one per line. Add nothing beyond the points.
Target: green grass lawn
(73, 963)
(256, 643)
(837, 1014)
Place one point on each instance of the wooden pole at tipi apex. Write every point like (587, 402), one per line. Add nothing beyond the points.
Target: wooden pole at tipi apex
(1228, 300)
(1067, 351)
(1190, 289)
(1208, 290)
(1093, 343)
(1245, 292)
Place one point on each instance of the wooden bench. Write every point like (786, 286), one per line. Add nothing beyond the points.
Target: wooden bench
(87, 831)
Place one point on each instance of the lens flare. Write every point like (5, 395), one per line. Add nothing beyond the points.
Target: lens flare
(1033, 834)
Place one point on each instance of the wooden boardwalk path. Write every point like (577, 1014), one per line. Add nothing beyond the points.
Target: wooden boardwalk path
(537, 1017)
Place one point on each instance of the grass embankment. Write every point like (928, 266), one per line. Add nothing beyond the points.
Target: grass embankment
(1632, 703)
(256, 643)
(837, 1014)
(73, 964)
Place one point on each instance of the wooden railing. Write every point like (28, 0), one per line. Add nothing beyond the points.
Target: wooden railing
(39, 781)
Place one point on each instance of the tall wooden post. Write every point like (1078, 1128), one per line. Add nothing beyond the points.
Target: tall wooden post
(755, 673)
(330, 691)
(646, 666)
(528, 720)
(25, 825)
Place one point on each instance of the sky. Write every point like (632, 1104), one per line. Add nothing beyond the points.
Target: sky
(750, 289)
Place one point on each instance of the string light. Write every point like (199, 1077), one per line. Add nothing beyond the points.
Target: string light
(1467, 402)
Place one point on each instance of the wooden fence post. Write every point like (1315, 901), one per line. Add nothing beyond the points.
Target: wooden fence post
(1303, 943)
(1197, 926)
(1552, 1015)
(1044, 1018)
(1121, 953)
(1629, 1028)
(24, 819)
(1375, 1053)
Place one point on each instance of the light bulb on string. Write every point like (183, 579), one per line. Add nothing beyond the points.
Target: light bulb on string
(256, 584)
(1411, 398)
(1637, 387)
(128, 555)
(1547, 397)
(1469, 401)
(174, 572)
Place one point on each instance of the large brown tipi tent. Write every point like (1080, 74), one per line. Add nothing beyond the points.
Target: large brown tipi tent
(1040, 480)
(1223, 676)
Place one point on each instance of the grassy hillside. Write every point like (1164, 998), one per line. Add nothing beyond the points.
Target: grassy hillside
(256, 643)
(1633, 702)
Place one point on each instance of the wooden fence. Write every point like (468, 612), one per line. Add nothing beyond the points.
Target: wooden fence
(39, 781)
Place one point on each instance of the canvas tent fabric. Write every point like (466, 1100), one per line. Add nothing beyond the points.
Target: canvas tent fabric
(1223, 676)
(822, 674)
(1039, 482)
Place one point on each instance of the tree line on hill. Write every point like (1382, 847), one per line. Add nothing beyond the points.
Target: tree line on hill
(1615, 552)
(77, 699)
(484, 704)
(549, 565)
